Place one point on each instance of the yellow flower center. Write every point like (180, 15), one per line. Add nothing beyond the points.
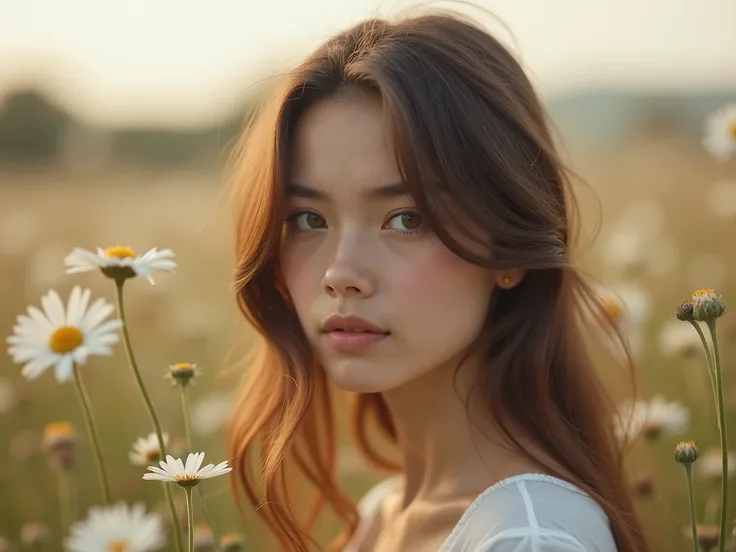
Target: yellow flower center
(117, 546)
(703, 292)
(120, 251)
(182, 366)
(732, 131)
(65, 340)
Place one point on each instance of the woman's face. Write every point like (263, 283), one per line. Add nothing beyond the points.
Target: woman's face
(380, 298)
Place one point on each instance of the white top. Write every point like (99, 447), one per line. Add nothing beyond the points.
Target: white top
(530, 512)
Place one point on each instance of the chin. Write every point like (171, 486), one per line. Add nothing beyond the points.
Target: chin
(360, 376)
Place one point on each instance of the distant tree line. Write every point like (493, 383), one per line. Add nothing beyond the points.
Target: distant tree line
(33, 130)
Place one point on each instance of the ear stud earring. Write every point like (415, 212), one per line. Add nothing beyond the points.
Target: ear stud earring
(506, 281)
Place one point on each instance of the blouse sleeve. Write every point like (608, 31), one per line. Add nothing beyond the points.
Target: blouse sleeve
(523, 541)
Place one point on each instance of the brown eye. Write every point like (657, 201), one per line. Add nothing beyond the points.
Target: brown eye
(405, 222)
(307, 220)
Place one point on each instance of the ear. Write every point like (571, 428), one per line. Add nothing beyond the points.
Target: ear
(508, 279)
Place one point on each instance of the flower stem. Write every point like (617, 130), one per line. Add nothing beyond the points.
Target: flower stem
(691, 494)
(187, 424)
(708, 357)
(190, 446)
(149, 405)
(65, 499)
(92, 430)
(724, 435)
(190, 518)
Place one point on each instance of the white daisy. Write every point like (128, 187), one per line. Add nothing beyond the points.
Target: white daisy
(710, 464)
(61, 338)
(652, 418)
(117, 529)
(720, 132)
(211, 412)
(120, 262)
(190, 475)
(146, 450)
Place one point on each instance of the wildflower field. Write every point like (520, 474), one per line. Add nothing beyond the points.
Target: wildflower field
(662, 224)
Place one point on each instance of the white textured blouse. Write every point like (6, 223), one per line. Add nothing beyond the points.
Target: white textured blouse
(530, 512)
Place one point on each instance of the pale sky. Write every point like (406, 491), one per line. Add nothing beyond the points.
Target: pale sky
(182, 62)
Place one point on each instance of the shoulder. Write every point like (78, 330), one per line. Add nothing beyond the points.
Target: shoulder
(535, 513)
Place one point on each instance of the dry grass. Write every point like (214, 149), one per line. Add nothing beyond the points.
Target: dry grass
(191, 315)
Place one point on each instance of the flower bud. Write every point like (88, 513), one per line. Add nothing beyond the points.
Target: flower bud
(182, 373)
(684, 311)
(34, 534)
(204, 540)
(232, 542)
(707, 306)
(60, 440)
(686, 452)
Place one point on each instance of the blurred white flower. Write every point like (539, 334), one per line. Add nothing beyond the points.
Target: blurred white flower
(651, 418)
(210, 413)
(120, 261)
(34, 534)
(710, 464)
(189, 475)
(638, 243)
(722, 199)
(5, 545)
(61, 338)
(720, 132)
(8, 397)
(117, 528)
(679, 340)
(146, 450)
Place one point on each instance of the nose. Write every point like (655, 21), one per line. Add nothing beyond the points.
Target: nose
(348, 274)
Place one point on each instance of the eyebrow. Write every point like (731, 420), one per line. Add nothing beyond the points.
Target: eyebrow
(295, 189)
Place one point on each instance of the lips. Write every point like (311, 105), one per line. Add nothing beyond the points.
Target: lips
(350, 324)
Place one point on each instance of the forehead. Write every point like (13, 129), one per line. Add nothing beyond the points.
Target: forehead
(344, 140)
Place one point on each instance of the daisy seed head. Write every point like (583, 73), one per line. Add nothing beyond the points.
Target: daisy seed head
(707, 306)
(182, 373)
(119, 273)
(686, 452)
(57, 434)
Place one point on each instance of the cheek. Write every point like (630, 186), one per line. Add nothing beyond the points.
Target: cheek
(439, 277)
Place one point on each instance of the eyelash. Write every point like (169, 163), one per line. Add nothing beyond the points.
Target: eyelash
(292, 218)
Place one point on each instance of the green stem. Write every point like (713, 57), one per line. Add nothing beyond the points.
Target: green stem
(65, 507)
(691, 493)
(187, 424)
(190, 518)
(215, 532)
(724, 436)
(190, 446)
(92, 430)
(708, 356)
(149, 405)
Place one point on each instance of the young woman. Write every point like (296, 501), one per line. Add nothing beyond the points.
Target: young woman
(404, 235)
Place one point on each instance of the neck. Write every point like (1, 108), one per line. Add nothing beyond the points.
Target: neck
(449, 449)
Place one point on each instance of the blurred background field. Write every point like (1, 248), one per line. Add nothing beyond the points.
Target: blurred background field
(661, 210)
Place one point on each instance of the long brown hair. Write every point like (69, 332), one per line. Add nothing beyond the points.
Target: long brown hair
(475, 149)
